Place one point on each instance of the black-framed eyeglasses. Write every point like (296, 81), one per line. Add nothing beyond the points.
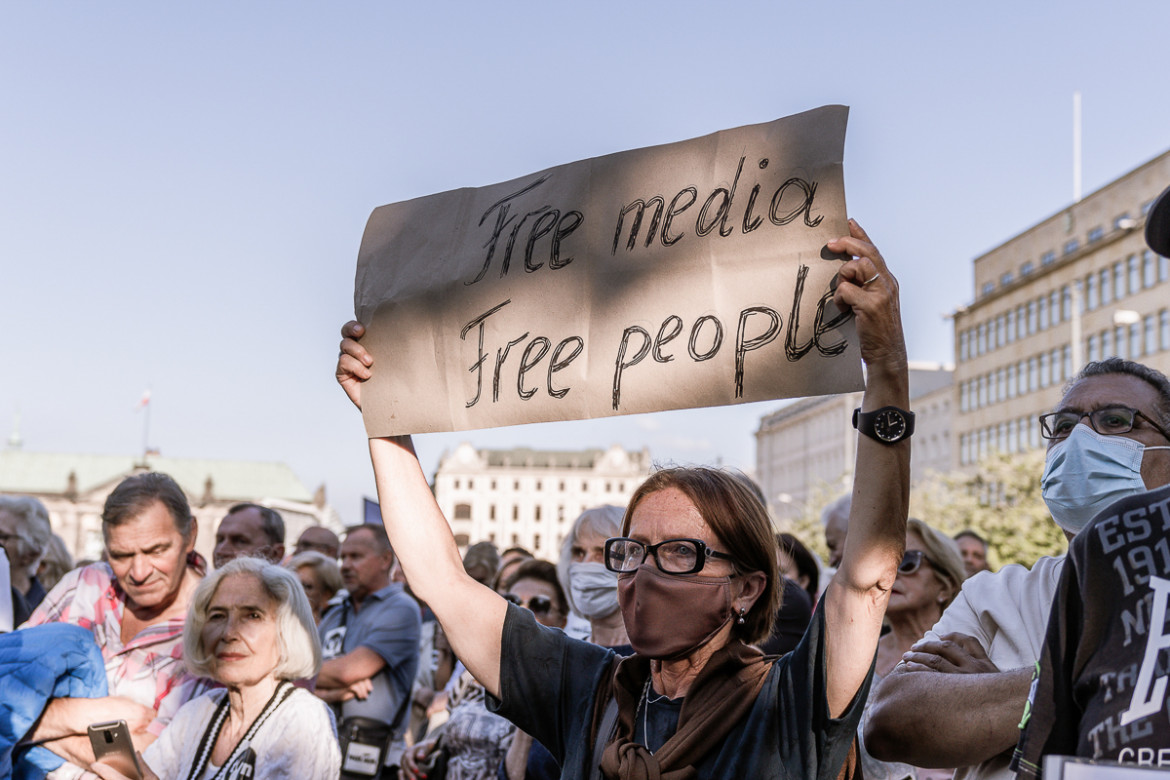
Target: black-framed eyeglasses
(1107, 421)
(672, 556)
(912, 561)
(538, 604)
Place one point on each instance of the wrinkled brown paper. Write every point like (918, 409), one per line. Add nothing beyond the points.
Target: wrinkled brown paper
(678, 276)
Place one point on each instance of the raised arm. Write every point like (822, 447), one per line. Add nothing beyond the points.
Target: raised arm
(472, 615)
(855, 600)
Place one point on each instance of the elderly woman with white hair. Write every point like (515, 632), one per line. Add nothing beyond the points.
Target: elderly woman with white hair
(250, 629)
(25, 534)
(590, 587)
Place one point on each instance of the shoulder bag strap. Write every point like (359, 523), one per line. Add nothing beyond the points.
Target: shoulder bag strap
(282, 692)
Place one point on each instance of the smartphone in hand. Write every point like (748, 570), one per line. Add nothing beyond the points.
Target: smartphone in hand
(112, 747)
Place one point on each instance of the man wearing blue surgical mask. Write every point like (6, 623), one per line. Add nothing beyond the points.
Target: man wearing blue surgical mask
(958, 696)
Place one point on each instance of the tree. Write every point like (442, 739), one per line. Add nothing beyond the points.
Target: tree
(1000, 501)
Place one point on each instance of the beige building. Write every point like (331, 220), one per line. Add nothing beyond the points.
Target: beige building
(1079, 286)
(74, 489)
(805, 451)
(529, 498)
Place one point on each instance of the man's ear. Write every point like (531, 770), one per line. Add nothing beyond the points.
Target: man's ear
(193, 534)
(277, 553)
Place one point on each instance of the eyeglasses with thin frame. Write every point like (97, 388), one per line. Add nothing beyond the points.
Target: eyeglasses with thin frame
(538, 604)
(1107, 421)
(671, 556)
(912, 561)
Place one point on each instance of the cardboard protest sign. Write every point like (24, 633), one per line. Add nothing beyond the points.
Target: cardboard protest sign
(678, 276)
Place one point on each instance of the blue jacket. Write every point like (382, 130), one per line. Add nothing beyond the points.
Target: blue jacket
(54, 660)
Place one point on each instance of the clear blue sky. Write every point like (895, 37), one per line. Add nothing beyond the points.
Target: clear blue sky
(183, 189)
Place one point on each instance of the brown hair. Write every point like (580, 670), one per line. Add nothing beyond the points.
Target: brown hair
(134, 494)
(741, 524)
(541, 571)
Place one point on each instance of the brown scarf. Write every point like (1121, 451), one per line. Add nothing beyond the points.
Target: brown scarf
(718, 699)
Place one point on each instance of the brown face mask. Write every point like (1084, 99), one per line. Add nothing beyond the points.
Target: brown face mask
(668, 616)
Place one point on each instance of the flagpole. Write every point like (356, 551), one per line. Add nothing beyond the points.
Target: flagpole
(146, 434)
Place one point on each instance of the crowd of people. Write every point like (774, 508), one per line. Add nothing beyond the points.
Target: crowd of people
(677, 637)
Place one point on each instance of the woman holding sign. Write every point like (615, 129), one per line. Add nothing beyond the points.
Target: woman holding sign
(698, 586)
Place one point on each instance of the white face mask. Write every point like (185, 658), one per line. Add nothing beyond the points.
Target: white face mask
(593, 590)
(1089, 471)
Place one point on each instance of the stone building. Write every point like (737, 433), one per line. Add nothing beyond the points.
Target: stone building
(1078, 286)
(805, 451)
(74, 489)
(530, 497)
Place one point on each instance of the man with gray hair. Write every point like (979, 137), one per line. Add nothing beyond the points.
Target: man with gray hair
(24, 535)
(249, 529)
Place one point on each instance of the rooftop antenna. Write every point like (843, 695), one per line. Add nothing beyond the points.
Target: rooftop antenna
(14, 440)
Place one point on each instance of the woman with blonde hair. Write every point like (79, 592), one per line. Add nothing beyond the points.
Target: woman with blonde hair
(929, 577)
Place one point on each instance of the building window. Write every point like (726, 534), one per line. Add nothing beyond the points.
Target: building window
(1066, 368)
(1164, 329)
(536, 541)
(1042, 362)
(1151, 328)
(1072, 245)
(1119, 219)
(1149, 269)
(1010, 319)
(515, 484)
(1091, 350)
(1000, 385)
(1106, 344)
(493, 484)
(1119, 280)
(1096, 234)
(515, 513)
(537, 511)
(561, 486)
(1122, 343)
(462, 540)
(1065, 303)
(560, 514)
(1135, 341)
(1135, 274)
(539, 485)
(962, 345)
(1031, 317)
(1027, 268)
(492, 512)
(463, 511)
(1163, 268)
(1090, 292)
(1006, 278)
(988, 288)
(1048, 258)
(1042, 313)
(1053, 307)
(584, 485)
(1032, 380)
(1103, 281)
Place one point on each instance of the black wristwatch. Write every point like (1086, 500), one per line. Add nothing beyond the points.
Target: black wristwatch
(888, 425)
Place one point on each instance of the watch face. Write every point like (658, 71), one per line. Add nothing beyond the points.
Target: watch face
(889, 425)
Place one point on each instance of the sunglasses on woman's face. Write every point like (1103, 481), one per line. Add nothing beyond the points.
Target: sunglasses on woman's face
(912, 561)
(538, 605)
